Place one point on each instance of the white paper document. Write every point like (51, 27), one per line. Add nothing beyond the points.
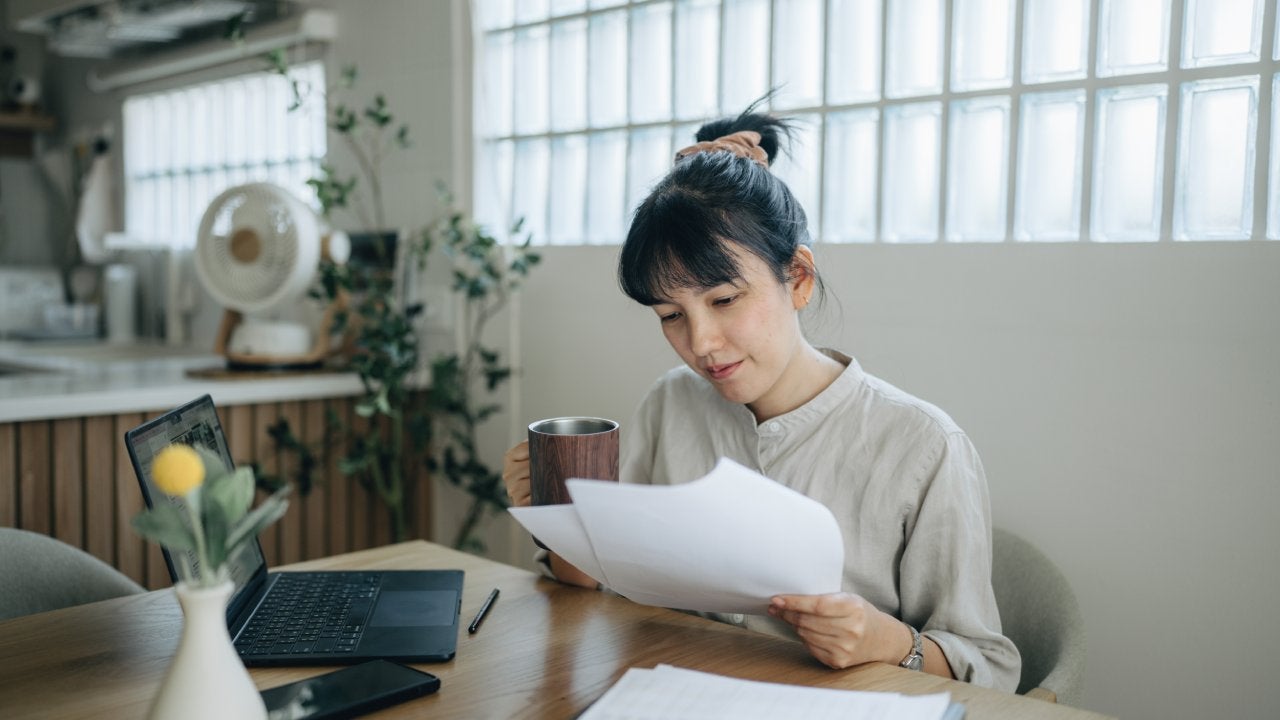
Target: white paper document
(672, 693)
(726, 542)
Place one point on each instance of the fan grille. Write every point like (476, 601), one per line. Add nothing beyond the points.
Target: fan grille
(257, 246)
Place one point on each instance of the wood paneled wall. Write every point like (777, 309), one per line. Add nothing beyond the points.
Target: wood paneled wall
(71, 478)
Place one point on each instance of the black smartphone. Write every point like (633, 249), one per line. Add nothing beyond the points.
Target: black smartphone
(349, 692)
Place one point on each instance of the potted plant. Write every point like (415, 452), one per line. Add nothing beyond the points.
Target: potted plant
(430, 417)
(203, 517)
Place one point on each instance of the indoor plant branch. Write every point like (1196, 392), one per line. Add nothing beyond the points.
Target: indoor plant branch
(407, 425)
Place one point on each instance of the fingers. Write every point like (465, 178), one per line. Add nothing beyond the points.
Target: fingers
(813, 625)
(833, 627)
(519, 498)
(830, 605)
(518, 452)
(515, 474)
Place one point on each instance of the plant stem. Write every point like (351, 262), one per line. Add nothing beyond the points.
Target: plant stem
(482, 318)
(473, 517)
(395, 498)
(375, 178)
(197, 528)
(372, 171)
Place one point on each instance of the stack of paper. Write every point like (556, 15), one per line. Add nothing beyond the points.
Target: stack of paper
(671, 693)
(726, 542)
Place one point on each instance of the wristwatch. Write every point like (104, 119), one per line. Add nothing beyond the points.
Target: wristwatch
(914, 659)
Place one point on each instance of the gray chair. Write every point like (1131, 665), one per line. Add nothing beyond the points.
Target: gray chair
(1039, 613)
(39, 573)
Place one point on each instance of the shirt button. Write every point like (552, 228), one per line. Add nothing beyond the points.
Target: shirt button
(773, 427)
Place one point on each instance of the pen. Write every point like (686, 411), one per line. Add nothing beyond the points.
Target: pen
(484, 610)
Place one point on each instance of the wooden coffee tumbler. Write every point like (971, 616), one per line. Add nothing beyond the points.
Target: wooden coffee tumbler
(570, 447)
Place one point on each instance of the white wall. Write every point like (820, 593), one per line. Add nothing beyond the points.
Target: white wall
(1125, 400)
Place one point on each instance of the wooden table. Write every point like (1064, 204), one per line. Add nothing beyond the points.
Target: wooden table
(545, 651)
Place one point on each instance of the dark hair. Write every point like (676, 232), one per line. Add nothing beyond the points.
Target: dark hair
(681, 234)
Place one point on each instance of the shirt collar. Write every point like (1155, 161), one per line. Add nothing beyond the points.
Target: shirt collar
(844, 387)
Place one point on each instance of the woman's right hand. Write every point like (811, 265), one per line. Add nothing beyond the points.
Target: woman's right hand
(515, 474)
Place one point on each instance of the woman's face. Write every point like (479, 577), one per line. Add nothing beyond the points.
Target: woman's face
(743, 337)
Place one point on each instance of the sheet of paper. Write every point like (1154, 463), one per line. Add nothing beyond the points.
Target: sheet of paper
(558, 526)
(671, 693)
(726, 542)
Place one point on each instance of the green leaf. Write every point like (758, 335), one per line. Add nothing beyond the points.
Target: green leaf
(268, 512)
(352, 465)
(377, 111)
(232, 493)
(213, 465)
(165, 524)
(233, 28)
(276, 59)
(265, 481)
(344, 120)
(213, 516)
(494, 377)
(295, 93)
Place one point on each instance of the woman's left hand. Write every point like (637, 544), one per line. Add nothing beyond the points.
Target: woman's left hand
(843, 629)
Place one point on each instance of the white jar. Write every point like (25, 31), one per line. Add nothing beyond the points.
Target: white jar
(121, 295)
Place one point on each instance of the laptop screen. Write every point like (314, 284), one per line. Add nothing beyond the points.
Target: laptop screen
(195, 424)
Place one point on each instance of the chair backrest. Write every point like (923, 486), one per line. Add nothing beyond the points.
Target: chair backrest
(1039, 613)
(39, 573)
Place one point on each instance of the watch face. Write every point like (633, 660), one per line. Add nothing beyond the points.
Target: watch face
(915, 662)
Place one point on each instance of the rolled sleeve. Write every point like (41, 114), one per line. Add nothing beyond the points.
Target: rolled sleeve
(542, 558)
(945, 573)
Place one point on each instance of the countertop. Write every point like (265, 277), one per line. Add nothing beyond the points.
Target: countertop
(46, 380)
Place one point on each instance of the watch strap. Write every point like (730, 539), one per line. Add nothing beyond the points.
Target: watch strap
(914, 659)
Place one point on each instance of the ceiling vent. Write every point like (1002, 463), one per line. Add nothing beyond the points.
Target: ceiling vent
(135, 28)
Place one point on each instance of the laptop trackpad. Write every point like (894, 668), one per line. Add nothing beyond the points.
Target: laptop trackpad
(414, 608)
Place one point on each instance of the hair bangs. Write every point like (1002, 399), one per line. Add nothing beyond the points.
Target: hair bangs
(675, 243)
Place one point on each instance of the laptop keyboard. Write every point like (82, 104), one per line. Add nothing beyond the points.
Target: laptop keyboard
(309, 613)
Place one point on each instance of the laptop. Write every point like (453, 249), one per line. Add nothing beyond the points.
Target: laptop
(309, 618)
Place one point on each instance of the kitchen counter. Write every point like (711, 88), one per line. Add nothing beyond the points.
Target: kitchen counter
(45, 380)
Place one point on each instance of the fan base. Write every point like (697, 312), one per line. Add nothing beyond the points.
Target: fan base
(310, 360)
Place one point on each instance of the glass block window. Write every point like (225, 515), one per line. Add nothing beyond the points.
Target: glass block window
(1129, 163)
(183, 147)
(919, 121)
(1050, 139)
(1215, 159)
(977, 197)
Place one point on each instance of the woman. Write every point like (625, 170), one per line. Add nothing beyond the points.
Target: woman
(720, 251)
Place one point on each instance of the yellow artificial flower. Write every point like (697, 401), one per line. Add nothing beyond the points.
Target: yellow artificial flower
(178, 470)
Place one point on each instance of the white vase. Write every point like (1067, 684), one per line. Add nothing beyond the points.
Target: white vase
(206, 678)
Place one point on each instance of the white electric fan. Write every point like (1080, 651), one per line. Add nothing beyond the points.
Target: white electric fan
(257, 252)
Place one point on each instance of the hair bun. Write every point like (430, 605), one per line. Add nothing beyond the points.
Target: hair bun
(772, 130)
(743, 144)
